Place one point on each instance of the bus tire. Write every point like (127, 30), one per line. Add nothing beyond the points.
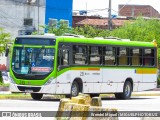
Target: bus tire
(74, 89)
(36, 96)
(127, 91)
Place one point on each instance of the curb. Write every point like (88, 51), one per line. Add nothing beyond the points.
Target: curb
(5, 92)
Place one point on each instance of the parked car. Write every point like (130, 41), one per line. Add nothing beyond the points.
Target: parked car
(5, 77)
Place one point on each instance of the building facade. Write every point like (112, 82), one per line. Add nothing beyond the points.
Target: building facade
(138, 10)
(21, 16)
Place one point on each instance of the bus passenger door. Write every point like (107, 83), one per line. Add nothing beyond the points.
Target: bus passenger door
(63, 73)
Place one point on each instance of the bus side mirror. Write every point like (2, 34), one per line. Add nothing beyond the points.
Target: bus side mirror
(7, 52)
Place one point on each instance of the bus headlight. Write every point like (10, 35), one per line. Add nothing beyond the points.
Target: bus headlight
(49, 81)
(11, 80)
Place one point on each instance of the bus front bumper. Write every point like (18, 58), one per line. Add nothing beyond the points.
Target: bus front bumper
(45, 89)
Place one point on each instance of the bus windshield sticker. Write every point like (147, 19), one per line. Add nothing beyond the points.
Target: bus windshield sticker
(24, 70)
(40, 69)
(48, 58)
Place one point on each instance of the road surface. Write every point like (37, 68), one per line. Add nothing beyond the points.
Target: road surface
(146, 103)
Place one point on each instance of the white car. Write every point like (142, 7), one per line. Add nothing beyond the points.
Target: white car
(5, 77)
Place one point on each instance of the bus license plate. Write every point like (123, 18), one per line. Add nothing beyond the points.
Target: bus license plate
(29, 91)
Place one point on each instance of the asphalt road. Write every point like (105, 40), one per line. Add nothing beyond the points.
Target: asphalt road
(146, 103)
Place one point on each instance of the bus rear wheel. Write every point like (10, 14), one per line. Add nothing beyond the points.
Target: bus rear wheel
(36, 96)
(127, 91)
(94, 95)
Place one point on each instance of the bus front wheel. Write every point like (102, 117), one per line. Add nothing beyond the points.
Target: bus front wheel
(36, 96)
(74, 90)
(127, 91)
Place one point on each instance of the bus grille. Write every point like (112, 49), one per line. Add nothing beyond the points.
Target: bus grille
(35, 89)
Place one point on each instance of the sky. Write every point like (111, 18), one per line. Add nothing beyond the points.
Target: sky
(91, 5)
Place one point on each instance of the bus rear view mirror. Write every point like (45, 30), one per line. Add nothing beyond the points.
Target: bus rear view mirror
(6, 52)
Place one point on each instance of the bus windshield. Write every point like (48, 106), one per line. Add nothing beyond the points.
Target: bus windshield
(36, 61)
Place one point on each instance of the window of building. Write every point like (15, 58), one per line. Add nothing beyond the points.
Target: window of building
(109, 55)
(80, 54)
(28, 21)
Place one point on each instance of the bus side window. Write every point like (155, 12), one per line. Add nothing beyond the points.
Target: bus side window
(122, 56)
(148, 57)
(109, 55)
(95, 55)
(65, 57)
(79, 54)
(60, 59)
(135, 57)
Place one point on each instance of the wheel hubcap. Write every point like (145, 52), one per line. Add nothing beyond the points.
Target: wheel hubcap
(74, 90)
(127, 90)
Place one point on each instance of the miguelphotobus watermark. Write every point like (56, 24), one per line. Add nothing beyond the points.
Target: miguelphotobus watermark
(84, 113)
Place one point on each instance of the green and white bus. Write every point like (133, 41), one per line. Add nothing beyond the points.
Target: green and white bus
(67, 65)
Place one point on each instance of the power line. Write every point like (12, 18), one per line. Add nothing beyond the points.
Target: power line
(124, 6)
(7, 18)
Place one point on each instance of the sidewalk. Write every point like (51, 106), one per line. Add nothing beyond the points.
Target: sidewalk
(5, 92)
(152, 92)
(145, 93)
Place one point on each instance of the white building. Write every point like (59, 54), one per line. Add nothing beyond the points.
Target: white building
(22, 16)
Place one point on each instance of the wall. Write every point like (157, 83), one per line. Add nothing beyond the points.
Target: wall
(13, 12)
(138, 10)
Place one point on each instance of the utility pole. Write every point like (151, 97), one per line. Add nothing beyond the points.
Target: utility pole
(29, 9)
(109, 16)
(38, 16)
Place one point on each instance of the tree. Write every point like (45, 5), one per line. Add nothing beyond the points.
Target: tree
(90, 31)
(4, 39)
(139, 30)
(58, 29)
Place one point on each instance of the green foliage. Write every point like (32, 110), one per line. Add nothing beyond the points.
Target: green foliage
(135, 30)
(90, 31)
(4, 39)
(1, 79)
(139, 30)
(4, 85)
(58, 29)
(158, 80)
